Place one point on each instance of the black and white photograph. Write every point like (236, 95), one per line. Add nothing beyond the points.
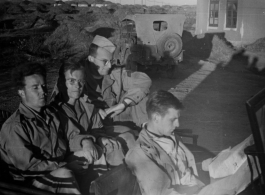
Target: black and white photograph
(132, 97)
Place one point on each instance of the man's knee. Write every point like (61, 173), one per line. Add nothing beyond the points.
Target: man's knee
(62, 173)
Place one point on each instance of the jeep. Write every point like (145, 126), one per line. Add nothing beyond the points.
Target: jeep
(150, 40)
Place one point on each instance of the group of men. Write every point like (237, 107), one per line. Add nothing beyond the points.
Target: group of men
(62, 147)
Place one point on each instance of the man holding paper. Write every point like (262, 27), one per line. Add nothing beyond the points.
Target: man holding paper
(163, 165)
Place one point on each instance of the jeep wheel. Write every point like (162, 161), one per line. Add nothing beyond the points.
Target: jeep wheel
(170, 44)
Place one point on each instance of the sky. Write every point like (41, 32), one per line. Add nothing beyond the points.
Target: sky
(156, 2)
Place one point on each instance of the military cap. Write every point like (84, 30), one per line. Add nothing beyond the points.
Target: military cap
(104, 43)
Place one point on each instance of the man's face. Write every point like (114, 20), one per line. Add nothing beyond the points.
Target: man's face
(167, 124)
(74, 83)
(34, 93)
(102, 60)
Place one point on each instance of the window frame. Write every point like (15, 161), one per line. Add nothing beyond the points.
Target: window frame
(160, 25)
(231, 20)
(213, 12)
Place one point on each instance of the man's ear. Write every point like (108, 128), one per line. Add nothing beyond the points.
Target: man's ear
(21, 93)
(156, 117)
(90, 58)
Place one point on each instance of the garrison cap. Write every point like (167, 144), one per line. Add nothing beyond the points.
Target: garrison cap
(104, 43)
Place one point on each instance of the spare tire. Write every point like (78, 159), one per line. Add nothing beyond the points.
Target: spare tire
(170, 44)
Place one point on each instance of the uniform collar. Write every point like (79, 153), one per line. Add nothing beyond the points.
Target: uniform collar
(32, 114)
(27, 111)
(157, 137)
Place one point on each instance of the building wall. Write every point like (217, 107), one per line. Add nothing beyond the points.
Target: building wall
(250, 21)
(253, 20)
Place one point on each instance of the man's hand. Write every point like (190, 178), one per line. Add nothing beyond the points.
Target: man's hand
(102, 113)
(115, 110)
(77, 165)
(89, 150)
(109, 144)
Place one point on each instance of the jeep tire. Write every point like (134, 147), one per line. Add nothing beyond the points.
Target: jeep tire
(171, 44)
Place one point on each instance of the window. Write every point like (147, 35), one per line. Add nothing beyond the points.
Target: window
(214, 12)
(231, 14)
(160, 25)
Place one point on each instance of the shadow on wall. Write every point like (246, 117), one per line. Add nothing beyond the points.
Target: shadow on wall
(199, 46)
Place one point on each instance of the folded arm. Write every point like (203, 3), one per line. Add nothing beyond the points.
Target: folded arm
(136, 86)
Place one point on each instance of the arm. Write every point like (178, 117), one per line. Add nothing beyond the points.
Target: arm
(20, 152)
(80, 142)
(151, 178)
(72, 133)
(136, 86)
(89, 150)
(118, 108)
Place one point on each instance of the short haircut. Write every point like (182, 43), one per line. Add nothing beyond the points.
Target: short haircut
(27, 69)
(72, 66)
(93, 49)
(160, 101)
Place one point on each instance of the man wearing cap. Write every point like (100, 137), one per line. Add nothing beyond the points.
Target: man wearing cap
(118, 93)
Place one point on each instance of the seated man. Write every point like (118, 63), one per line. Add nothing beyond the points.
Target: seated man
(34, 143)
(72, 103)
(118, 93)
(163, 165)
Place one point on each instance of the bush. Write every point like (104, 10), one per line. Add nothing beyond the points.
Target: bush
(257, 46)
(222, 50)
(69, 40)
(208, 46)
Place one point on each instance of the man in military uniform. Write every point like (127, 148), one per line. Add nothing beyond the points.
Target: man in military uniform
(118, 93)
(37, 147)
